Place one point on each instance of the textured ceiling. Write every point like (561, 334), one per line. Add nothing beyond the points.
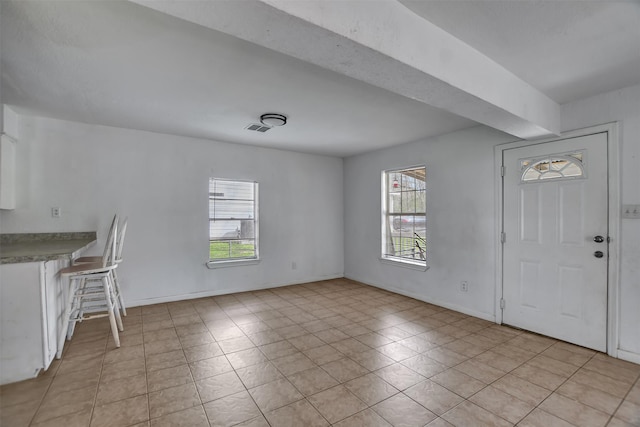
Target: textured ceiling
(121, 64)
(568, 49)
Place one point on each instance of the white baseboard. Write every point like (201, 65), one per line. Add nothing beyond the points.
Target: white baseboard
(454, 307)
(629, 356)
(218, 292)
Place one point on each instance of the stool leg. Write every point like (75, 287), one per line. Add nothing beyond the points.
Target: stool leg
(110, 308)
(115, 302)
(116, 287)
(83, 284)
(62, 334)
(76, 305)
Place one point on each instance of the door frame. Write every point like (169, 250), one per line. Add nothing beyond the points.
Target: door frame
(613, 187)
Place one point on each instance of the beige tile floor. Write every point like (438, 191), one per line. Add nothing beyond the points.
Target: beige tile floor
(328, 353)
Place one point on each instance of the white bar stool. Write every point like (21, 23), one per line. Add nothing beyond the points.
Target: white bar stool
(91, 293)
(122, 230)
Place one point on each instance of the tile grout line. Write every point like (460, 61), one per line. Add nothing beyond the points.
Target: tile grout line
(299, 298)
(305, 398)
(554, 391)
(624, 399)
(510, 372)
(33, 417)
(55, 374)
(95, 398)
(146, 376)
(190, 375)
(486, 385)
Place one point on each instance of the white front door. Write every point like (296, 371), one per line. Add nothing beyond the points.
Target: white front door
(555, 214)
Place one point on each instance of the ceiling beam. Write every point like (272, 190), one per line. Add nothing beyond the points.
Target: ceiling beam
(385, 44)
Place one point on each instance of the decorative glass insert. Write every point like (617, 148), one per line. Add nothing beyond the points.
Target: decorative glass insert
(556, 166)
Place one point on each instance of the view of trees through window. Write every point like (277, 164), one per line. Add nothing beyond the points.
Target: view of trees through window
(404, 216)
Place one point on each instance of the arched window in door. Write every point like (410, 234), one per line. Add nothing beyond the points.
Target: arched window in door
(560, 166)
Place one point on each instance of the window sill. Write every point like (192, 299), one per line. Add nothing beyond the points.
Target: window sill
(211, 265)
(405, 264)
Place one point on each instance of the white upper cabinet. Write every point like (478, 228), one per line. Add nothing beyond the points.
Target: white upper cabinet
(7, 172)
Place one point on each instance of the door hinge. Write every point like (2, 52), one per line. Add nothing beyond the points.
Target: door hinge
(503, 170)
(502, 303)
(503, 237)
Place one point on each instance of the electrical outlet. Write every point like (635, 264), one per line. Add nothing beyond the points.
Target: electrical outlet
(294, 266)
(631, 211)
(464, 286)
(56, 212)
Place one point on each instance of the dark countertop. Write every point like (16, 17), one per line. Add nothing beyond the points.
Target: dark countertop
(36, 247)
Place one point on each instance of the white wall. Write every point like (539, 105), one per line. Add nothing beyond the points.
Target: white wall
(461, 208)
(92, 171)
(161, 183)
(460, 219)
(622, 106)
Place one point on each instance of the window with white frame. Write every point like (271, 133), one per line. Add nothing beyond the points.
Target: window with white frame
(233, 220)
(404, 220)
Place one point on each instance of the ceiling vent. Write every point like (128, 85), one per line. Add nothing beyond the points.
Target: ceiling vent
(258, 128)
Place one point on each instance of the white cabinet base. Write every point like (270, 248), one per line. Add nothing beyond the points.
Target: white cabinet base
(30, 304)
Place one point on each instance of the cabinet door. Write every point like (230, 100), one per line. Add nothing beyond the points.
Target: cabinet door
(52, 307)
(20, 321)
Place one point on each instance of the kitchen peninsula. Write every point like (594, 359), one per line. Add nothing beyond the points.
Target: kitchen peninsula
(32, 298)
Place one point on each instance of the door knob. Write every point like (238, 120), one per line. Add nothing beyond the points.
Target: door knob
(598, 254)
(598, 239)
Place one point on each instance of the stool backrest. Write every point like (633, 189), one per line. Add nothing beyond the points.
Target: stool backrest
(122, 230)
(109, 254)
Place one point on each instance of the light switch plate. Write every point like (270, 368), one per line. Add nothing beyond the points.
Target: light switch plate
(631, 211)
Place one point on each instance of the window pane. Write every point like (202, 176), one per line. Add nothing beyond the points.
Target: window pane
(412, 201)
(393, 182)
(231, 189)
(530, 175)
(572, 169)
(421, 201)
(551, 175)
(219, 230)
(231, 209)
(231, 249)
(394, 203)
